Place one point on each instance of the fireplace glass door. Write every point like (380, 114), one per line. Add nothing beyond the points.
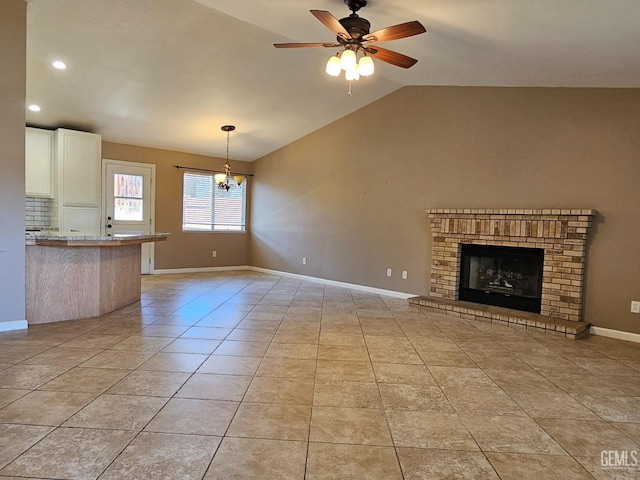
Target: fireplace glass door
(503, 276)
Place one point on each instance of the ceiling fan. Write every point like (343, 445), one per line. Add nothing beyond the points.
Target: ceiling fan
(352, 34)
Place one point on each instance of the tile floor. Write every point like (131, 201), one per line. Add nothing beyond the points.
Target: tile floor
(253, 376)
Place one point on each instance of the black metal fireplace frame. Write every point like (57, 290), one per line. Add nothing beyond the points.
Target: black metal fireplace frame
(523, 303)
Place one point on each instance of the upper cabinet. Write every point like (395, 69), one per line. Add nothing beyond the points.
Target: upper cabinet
(79, 170)
(39, 162)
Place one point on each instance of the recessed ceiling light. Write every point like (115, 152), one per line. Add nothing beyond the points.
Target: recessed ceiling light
(60, 65)
(34, 108)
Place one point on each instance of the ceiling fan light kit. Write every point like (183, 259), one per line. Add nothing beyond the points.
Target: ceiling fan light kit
(352, 35)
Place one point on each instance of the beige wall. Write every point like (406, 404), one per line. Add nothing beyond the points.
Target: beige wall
(184, 250)
(13, 41)
(351, 196)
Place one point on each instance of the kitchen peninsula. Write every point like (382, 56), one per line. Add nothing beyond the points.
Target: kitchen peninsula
(72, 276)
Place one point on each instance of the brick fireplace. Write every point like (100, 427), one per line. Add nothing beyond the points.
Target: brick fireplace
(562, 235)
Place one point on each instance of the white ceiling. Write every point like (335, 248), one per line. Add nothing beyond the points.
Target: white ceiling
(169, 73)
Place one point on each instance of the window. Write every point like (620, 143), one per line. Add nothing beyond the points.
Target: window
(206, 208)
(128, 198)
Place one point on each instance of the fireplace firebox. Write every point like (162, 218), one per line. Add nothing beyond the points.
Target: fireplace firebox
(502, 276)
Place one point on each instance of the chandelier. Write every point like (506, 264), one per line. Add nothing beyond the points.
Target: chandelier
(225, 180)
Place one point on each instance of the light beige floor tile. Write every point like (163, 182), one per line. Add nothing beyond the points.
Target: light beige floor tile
(582, 438)
(118, 359)
(245, 458)
(429, 464)
(250, 335)
(207, 333)
(296, 337)
(518, 466)
(70, 453)
(511, 434)
(209, 386)
(329, 461)
(287, 368)
(552, 405)
(519, 380)
(149, 383)
(162, 455)
(117, 412)
(274, 421)
(194, 417)
(230, 365)
(343, 339)
(8, 395)
(632, 430)
(69, 357)
(293, 350)
(94, 341)
(361, 426)
(581, 384)
(44, 408)
(337, 371)
(403, 373)
(192, 345)
(392, 350)
(87, 380)
(461, 377)
(482, 400)
(446, 359)
(430, 430)
(613, 408)
(347, 394)
(16, 439)
(606, 467)
(174, 362)
(345, 353)
(292, 391)
(414, 397)
(142, 343)
(242, 349)
(29, 377)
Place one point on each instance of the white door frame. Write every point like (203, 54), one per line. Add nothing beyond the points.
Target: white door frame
(152, 200)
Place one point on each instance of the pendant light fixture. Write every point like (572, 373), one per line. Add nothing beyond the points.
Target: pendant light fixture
(225, 180)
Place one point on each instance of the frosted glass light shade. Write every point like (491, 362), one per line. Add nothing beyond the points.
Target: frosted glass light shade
(348, 59)
(220, 177)
(365, 66)
(239, 179)
(333, 66)
(352, 73)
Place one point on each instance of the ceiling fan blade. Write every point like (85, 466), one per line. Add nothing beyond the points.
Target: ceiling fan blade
(304, 45)
(396, 32)
(331, 23)
(394, 58)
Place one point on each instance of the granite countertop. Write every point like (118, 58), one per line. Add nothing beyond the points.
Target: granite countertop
(90, 239)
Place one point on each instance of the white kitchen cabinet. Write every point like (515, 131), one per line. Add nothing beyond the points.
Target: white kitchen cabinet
(38, 162)
(84, 220)
(78, 180)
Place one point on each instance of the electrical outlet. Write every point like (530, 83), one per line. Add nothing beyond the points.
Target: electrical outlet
(388, 272)
(635, 307)
(214, 254)
(404, 274)
(304, 260)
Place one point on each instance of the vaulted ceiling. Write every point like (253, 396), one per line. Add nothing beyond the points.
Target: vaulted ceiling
(169, 73)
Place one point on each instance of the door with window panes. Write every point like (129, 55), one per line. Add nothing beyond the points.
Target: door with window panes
(129, 203)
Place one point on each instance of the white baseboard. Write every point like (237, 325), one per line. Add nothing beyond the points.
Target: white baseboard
(352, 286)
(166, 271)
(14, 325)
(619, 334)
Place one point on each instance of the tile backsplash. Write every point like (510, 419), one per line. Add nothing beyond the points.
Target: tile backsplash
(40, 212)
